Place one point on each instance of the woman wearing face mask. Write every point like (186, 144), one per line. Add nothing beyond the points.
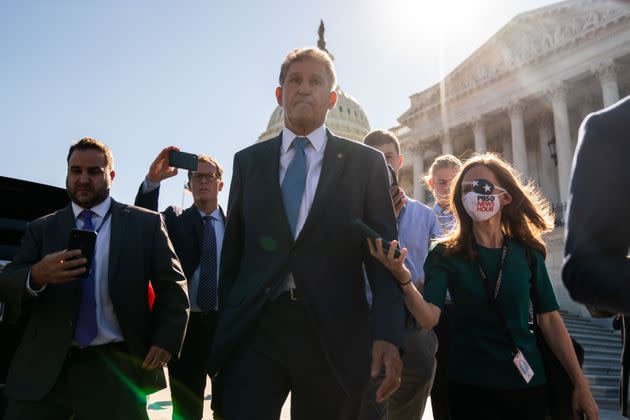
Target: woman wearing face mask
(485, 257)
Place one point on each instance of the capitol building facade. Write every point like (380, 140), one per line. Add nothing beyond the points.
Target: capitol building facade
(523, 94)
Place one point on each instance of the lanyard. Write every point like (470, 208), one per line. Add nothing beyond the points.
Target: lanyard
(484, 277)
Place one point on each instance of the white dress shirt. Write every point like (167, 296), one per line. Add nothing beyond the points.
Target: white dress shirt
(108, 328)
(219, 228)
(314, 152)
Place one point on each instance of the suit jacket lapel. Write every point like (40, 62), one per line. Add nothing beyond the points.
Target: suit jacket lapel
(66, 224)
(272, 176)
(193, 223)
(117, 236)
(270, 181)
(332, 169)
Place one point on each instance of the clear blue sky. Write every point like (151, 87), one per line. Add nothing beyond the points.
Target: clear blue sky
(142, 75)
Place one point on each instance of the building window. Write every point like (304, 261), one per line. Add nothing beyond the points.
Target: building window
(340, 108)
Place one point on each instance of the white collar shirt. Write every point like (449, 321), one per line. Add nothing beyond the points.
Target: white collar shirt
(107, 323)
(216, 218)
(314, 152)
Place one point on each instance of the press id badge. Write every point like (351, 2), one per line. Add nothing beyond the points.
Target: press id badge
(523, 367)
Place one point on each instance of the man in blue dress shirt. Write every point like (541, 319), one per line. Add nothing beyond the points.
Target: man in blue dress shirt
(417, 225)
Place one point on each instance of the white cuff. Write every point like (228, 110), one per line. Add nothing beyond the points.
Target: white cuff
(148, 186)
(29, 289)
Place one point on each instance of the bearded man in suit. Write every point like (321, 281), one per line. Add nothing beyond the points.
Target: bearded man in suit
(92, 348)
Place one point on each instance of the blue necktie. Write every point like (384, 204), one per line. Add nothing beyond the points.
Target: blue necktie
(294, 182)
(86, 328)
(207, 290)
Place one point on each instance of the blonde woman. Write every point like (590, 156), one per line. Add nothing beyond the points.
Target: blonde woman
(484, 263)
(441, 173)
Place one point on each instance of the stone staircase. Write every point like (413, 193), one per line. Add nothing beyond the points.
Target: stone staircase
(602, 360)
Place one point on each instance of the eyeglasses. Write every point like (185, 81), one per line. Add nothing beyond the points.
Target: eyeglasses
(207, 177)
(480, 186)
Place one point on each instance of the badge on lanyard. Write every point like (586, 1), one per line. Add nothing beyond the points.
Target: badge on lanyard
(523, 367)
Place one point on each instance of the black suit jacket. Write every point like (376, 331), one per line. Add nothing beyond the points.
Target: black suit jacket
(596, 268)
(326, 258)
(139, 251)
(185, 228)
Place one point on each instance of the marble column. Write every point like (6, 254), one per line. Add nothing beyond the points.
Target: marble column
(447, 144)
(506, 142)
(607, 75)
(547, 168)
(418, 173)
(479, 132)
(519, 151)
(558, 97)
(587, 105)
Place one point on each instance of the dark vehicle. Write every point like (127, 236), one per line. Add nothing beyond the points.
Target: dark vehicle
(20, 203)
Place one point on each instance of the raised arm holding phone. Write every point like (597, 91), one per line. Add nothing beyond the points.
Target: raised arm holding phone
(197, 235)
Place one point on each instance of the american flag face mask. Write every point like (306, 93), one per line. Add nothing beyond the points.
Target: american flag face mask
(480, 198)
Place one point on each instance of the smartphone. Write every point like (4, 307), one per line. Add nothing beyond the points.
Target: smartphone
(371, 233)
(85, 240)
(183, 160)
(393, 179)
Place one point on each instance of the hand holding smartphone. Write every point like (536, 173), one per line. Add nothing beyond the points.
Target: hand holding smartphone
(183, 160)
(398, 196)
(393, 179)
(85, 240)
(372, 234)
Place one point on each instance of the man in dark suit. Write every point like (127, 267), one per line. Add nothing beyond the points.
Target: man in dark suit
(293, 315)
(91, 348)
(596, 268)
(197, 235)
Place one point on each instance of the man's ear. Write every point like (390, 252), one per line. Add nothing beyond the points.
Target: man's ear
(332, 100)
(112, 175)
(431, 184)
(220, 186)
(188, 185)
(279, 95)
(400, 160)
